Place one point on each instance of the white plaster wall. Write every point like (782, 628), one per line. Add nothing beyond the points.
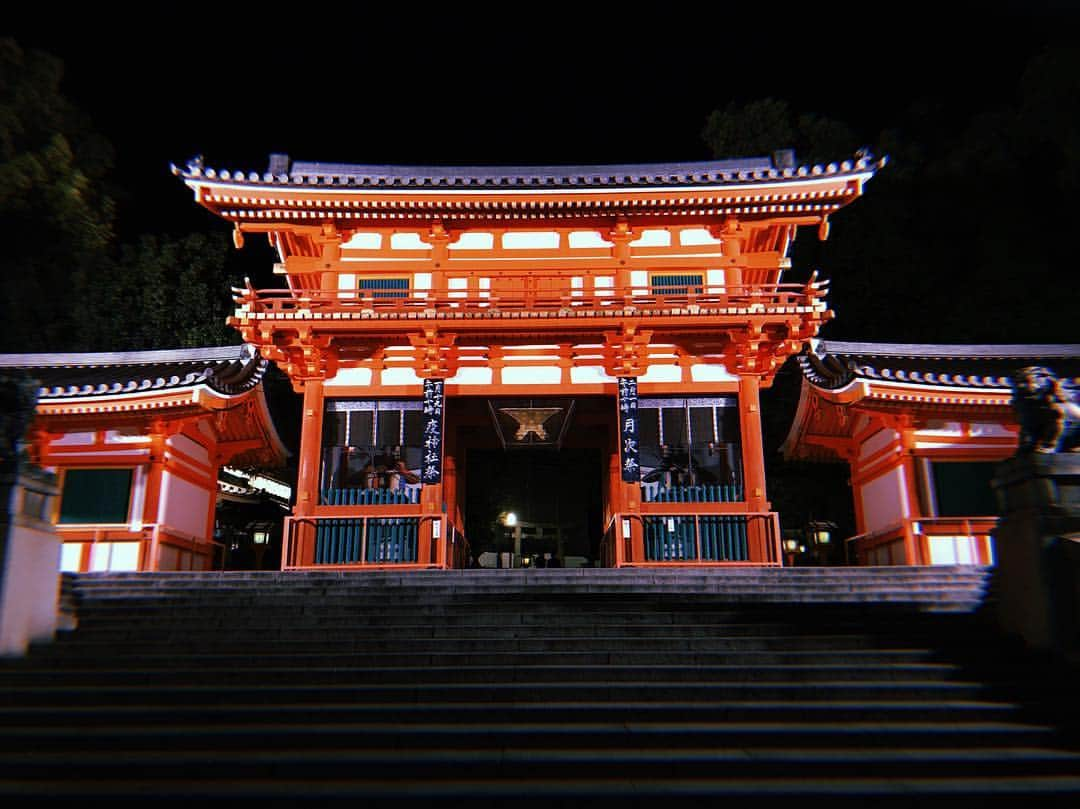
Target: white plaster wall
(189, 448)
(590, 374)
(884, 500)
(30, 590)
(71, 557)
(696, 236)
(952, 550)
(531, 240)
(653, 238)
(364, 241)
(400, 376)
(539, 375)
(942, 428)
(876, 442)
(408, 241)
(117, 437)
(708, 372)
(350, 376)
(471, 376)
(71, 439)
(588, 238)
(981, 428)
(662, 373)
(474, 241)
(184, 505)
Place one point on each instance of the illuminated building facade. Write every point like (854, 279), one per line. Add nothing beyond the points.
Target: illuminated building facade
(580, 346)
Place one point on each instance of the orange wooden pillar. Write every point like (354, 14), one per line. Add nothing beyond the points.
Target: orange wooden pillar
(307, 475)
(155, 477)
(753, 456)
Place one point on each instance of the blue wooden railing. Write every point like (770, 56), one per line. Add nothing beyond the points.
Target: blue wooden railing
(691, 494)
(388, 540)
(369, 497)
(674, 538)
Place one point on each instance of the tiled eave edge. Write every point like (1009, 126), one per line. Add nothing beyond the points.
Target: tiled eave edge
(641, 178)
(877, 391)
(198, 396)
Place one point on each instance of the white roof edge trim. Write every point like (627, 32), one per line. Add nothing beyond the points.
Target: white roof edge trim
(250, 188)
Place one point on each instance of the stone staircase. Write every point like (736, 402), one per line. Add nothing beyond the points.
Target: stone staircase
(541, 687)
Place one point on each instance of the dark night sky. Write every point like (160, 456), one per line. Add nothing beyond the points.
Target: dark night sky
(548, 86)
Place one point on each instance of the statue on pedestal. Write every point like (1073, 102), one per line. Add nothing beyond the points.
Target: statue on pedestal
(1048, 409)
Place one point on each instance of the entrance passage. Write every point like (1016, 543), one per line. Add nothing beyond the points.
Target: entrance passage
(534, 507)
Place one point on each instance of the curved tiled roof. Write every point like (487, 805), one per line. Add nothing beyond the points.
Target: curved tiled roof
(283, 173)
(226, 370)
(831, 365)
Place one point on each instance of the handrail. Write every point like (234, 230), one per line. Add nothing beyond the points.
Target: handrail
(528, 297)
(897, 529)
(770, 544)
(921, 529)
(289, 549)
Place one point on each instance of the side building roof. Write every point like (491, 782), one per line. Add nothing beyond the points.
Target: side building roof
(102, 390)
(226, 370)
(832, 365)
(932, 380)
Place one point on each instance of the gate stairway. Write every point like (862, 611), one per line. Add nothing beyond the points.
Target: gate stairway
(843, 686)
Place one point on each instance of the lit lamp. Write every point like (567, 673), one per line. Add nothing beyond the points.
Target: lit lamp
(820, 535)
(508, 520)
(260, 539)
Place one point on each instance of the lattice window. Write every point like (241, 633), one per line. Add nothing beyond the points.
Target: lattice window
(681, 284)
(385, 287)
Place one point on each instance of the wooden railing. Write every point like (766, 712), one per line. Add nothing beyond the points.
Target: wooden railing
(458, 551)
(891, 545)
(698, 534)
(526, 292)
(190, 552)
(382, 537)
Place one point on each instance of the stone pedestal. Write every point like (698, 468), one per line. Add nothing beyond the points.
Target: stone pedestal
(1037, 546)
(29, 560)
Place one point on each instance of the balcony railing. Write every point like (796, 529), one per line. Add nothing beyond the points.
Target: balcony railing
(732, 538)
(554, 295)
(387, 537)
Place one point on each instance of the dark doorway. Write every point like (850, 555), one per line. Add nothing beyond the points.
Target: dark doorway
(554, 497)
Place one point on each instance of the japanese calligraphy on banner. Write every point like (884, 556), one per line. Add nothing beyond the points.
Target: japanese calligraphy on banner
(629, 454)
(431, 468)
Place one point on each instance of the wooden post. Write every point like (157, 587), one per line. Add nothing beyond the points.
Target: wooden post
(307, 476)
(912, 547)
(753, 455)
(155, 475)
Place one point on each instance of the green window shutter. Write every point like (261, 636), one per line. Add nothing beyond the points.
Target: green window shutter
(963, 489)
(96, 496)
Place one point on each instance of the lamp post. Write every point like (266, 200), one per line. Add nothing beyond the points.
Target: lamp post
(820, 533)
(509, 524)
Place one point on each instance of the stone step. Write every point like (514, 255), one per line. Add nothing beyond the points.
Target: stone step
(628, 734)
(513, 763)
(306, 643)
(492, 692)
(464, 713)
(661, 674)
(536, 791)
(127, 657)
